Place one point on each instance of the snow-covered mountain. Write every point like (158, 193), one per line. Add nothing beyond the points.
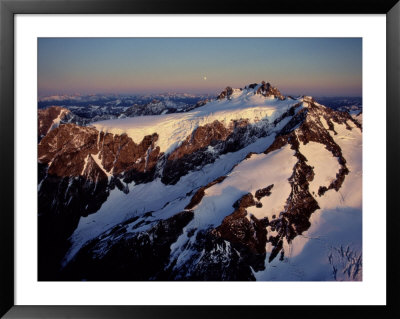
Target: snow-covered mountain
(92, 108)
(249, 186)
(86, 114)
(51, 117)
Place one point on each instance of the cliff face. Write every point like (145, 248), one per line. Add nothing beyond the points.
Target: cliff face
(50, 118)
(78, 167)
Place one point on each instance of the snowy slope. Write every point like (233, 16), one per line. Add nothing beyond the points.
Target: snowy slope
(332, 248)
(174, 128)
(285, 205)
(249, 176)
(165, 200)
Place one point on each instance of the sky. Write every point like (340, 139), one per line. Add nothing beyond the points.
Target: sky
(297, 66)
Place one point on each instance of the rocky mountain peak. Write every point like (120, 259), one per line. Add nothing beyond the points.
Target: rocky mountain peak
(264, 88)
(307, 98)
(225, 93)
(49, 118)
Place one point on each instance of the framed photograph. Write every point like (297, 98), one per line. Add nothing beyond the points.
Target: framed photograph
(186, 160)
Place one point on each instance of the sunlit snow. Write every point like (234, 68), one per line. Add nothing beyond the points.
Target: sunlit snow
(174, 128)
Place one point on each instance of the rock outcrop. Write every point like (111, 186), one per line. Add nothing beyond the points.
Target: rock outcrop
(120, 255)
(266, 89)
(50, 118)
(225, 93)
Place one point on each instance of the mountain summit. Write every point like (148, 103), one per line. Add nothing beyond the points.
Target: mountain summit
(265, 89)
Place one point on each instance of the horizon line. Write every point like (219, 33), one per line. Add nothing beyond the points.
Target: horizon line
(107, 94)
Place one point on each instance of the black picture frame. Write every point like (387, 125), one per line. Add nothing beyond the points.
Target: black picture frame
(8, 8)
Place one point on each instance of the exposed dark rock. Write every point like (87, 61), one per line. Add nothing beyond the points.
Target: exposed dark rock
(252, 86)
(244, 202)
(213, 259)
(249, 155)
(72, 184)
(67, 148)
(238, 229)
(294, 122)
(198, 196)
(202, 137)
(198, 104)
(116, 182)
(264, 192)
(290, 112)
(194, 151)
(155, 107)
(294, 220)
(322, 190)
(72, 118)
(225, 93)
(62, 201)
(125, 256)
(266, 89)
(47, 118)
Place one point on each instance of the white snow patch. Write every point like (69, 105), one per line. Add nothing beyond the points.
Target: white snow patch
(350, 194)
(325, 165)
(85, 164)
(57, 120)
(359, 118)
(250, 175)
(174, 128)
(324, 122)
(98, 162)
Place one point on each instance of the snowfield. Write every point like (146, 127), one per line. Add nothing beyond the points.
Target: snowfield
(165, 200)
(325, 165)
(250, 175)
(174, 128)
(331, 249)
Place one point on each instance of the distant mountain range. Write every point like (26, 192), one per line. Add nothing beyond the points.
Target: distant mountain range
(91, 106)
(352, 105)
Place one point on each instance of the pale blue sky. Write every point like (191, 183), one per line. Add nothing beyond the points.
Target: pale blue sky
(312, 66)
